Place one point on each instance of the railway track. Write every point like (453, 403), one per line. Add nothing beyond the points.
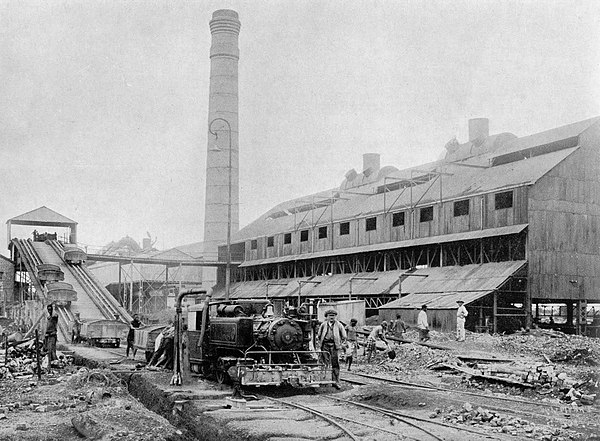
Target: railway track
(359, 421)
(485, 400)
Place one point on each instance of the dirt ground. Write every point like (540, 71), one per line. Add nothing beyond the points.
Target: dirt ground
(558, 418)
(100, 403)
(44, 410)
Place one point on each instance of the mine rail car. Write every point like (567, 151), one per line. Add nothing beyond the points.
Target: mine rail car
(144, 339)
(73, 254)
(48, 272)
(104, 333)
(43, 237)
(61, 293)
(256, 343)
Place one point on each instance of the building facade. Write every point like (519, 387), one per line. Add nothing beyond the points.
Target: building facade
(533, 201)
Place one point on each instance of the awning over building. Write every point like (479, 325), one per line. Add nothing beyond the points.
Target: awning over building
(443, 286)
(373, 283)
(469, 235)
(438, 287)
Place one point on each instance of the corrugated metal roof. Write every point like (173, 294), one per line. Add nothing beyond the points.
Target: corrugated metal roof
(443, 286)
(42, 215)
(463, 182)
(468, 235)
(318, 286)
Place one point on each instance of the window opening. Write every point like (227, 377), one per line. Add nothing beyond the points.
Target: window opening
(461, 208)
(322, 232)
(426, 214)
(398, 219)
(503, 200)
(371, 223)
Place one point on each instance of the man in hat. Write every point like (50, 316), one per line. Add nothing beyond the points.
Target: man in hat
(377, 332)
(461, 317)
(423, 324)
(330, 338)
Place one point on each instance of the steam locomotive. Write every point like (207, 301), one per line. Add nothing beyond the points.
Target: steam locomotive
(256, 343)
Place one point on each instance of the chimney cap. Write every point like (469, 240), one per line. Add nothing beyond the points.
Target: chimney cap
(229, 13)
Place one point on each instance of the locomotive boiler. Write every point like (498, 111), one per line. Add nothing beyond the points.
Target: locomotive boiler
(256, 343)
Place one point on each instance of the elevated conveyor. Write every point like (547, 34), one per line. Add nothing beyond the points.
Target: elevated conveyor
(31, 260)
(93, 300)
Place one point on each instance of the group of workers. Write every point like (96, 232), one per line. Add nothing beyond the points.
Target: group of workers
(333, 336)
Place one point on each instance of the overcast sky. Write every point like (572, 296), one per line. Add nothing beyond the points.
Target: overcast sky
(103, 105)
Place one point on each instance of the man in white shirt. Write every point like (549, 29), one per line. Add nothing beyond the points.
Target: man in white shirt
(461, 317)
(423, 324)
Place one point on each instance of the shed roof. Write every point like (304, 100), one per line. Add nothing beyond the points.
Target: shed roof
(468, 235)
(440, 289)
(443, 286)
(43, 216)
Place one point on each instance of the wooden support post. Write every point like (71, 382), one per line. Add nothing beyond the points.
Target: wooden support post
(131, 289)
(570, 313)
(120, 288)
(495, 312)
(37, 354)
(527, 305)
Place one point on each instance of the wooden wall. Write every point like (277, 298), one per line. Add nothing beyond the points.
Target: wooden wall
(443, 222)
(564, 226)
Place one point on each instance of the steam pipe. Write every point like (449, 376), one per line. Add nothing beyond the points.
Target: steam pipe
(178, 362)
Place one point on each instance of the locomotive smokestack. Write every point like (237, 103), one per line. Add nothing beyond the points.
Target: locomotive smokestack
(223, 104)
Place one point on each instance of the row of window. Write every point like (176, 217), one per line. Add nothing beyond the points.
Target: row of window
(461, 208)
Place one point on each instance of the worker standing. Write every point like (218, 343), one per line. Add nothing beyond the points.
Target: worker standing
(76, 331)
(331, 337)
(351, 343)
(423, 324)
(135, 324)
(461, 317)
(51, 334)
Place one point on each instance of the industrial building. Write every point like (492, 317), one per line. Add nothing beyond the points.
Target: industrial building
(504, 223)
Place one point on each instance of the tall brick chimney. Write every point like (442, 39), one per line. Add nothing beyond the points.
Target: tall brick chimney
(223, 103)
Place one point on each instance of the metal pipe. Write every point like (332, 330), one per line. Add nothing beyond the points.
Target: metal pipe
(358, 278)
(177, 362)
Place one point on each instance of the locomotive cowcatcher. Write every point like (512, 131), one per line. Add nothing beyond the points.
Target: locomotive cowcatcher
(256, 343)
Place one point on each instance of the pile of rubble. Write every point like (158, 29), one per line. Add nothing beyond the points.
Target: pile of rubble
(557, 346)
(497, 422)
(20, 360)
(545, 378)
